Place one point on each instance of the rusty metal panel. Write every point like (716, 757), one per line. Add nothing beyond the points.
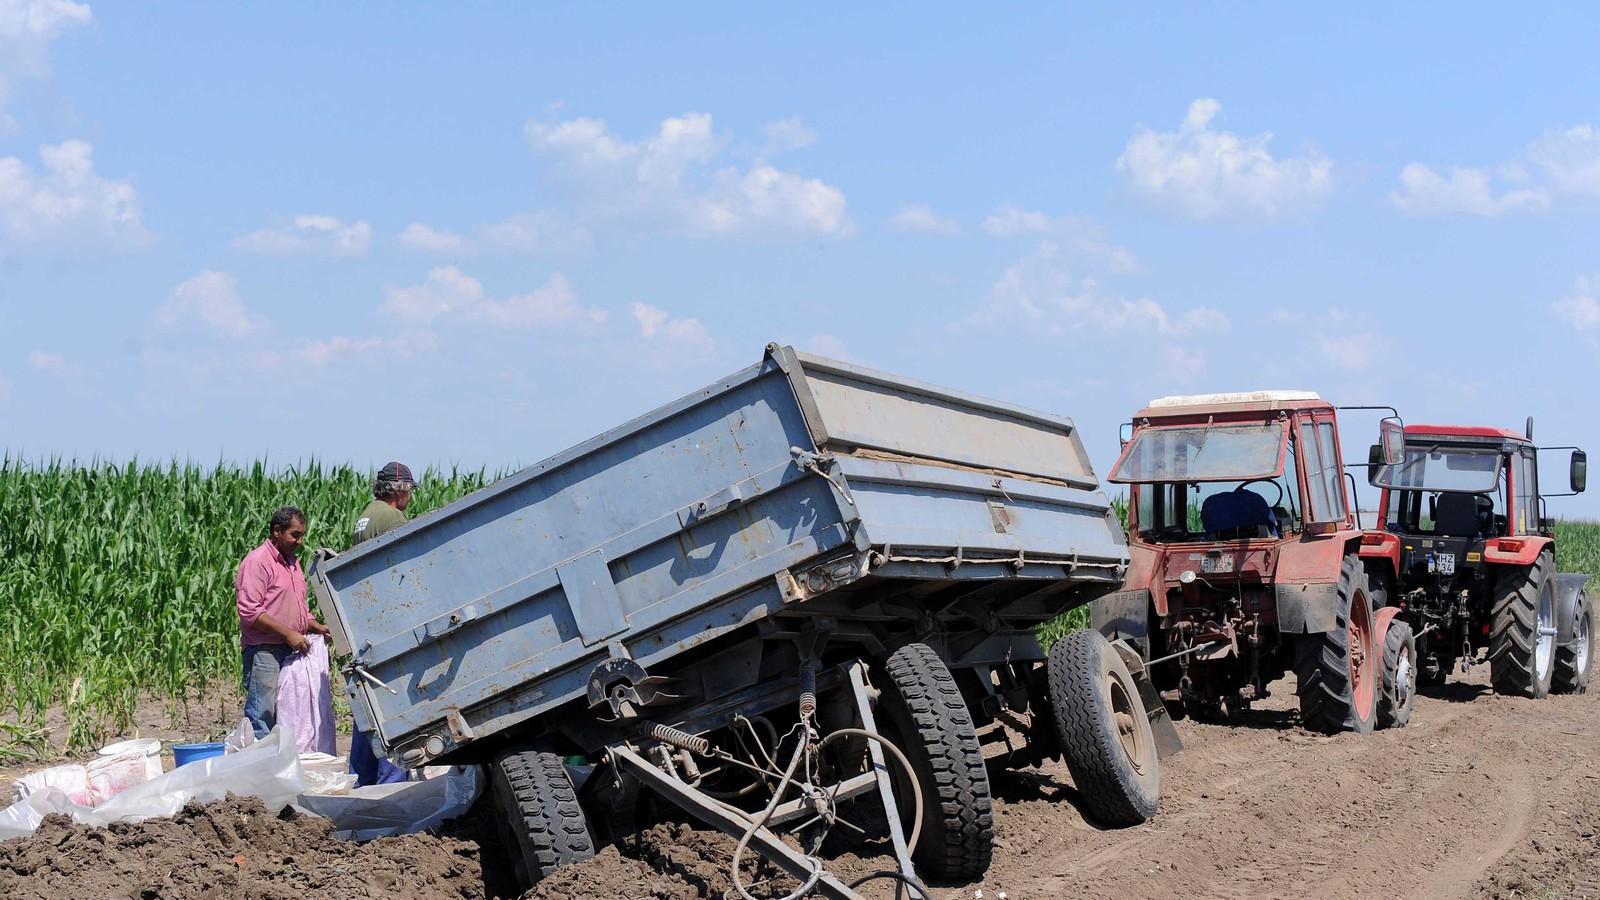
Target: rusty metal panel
(1307, 608)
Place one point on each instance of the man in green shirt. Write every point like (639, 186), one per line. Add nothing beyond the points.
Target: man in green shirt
(391, 494)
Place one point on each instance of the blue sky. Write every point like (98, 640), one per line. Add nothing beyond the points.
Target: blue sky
(479, 234)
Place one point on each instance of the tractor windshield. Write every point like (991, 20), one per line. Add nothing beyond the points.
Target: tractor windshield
(1456, 470)
(1192, 453)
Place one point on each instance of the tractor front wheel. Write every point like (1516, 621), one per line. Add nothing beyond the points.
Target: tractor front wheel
(1522, 639)
(1575, 661)
(1399, 677)
(1104, 730)
(1338, 670)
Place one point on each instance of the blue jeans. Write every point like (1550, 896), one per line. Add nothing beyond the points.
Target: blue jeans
(261, 665)
(367, 765)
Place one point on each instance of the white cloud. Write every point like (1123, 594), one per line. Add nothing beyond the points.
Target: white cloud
(26, 29)
(66, 202)
(449, 291)
(209, 300)
(788, 134)
(1561, 164)
(826, 345)
(920, 218)
(1040, 295)
(668, 181)
(1076, 236)
(536, 232)
(419, 236)
(658, 325)
(1424, 192)
(309, 234)
(1012, 221)
(1359, 351)
(324, 351)
(52, 363)
(1206, 173)
(1581, 309)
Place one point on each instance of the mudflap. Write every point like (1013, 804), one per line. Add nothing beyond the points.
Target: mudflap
(1161, 727)
(1568, 587)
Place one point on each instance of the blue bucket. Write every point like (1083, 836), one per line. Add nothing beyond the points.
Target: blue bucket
(188, 753)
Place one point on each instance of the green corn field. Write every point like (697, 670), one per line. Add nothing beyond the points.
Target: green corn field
(116, 581)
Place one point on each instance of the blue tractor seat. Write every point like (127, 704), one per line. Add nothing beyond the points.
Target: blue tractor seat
(1236, 510)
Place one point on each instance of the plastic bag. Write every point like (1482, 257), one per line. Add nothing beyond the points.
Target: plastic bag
(72, 780)
(111, 775)
(239, 738)
(380, 810)
(327, 774)
(269, 769)
(305, 700)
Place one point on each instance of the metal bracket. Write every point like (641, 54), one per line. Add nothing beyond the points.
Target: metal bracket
(814, 463)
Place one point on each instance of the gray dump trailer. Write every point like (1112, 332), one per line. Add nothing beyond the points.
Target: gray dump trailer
(807, 568)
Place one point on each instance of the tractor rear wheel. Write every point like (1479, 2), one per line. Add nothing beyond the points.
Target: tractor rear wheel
(927, 717)
(1104, 730)
(1575, 662)
(539, 807)
(1399, 677)
(1522, 637)
(1337, 670)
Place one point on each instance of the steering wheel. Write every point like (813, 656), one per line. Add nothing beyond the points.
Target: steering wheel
(1267, 481)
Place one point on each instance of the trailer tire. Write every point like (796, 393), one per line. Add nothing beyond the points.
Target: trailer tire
(928, 719)
(1399, 676)
(1104, 730)
(539, 806)
(1336, 672)
(1575, 662)
(1524, 606)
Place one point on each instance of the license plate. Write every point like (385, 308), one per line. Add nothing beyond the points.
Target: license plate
(1447, 563)
(1213, 564)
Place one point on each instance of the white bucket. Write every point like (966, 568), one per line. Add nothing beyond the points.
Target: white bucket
(150, 747)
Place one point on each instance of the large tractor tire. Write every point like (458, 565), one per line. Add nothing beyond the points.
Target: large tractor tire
(928, 719)
(1575, 662)
(1338, 670)
(1522, 636)
(1104, 730)
(539, 808)
(1399, 677)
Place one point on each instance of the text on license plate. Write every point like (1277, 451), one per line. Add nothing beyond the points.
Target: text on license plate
(1447, 563)
(1217, 564)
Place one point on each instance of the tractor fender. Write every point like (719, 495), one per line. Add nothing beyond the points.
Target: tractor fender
(1569, 588)
(1380, 551)
(1515, 551)
(1123, 615)
(1380, 627)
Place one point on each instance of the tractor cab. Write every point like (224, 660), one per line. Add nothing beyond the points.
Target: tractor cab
(1466, 555)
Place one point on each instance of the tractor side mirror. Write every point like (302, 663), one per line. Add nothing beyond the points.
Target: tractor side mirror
(1578, 473)
(1392, 441)
(1124, 434)
(1374, 463)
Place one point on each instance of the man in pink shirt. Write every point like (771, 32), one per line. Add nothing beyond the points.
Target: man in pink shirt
(273, 616)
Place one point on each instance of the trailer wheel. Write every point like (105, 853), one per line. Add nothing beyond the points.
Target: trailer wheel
(1399, 677)
(928, 719)
(1337, 671)
(1104, 730)
(539, 806)
(1575, 662)
(1522, 639)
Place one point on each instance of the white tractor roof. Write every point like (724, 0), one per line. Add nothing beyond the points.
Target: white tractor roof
(1233, 397)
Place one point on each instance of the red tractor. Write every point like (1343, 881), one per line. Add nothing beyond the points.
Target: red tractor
(1246, 560)
(1466, 557)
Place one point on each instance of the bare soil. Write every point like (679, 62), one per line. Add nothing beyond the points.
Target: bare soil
(1482, 796)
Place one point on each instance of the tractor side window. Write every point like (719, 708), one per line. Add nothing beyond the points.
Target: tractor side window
(1527, 494)
(1328, 442)
(1321, 508)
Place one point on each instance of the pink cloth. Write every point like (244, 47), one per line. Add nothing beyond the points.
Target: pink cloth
(268, 583)
(305, 700)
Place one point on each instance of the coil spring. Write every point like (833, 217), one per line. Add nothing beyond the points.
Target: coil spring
(677, 737)
(808, 690)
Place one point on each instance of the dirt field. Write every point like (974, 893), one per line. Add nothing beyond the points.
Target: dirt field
(1481, 796)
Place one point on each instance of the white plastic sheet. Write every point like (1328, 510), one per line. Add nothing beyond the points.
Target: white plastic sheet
(270, 769)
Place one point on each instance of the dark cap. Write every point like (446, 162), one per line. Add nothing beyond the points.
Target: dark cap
(398, 474)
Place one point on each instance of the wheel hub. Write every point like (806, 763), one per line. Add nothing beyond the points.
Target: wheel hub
(1545, 646)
